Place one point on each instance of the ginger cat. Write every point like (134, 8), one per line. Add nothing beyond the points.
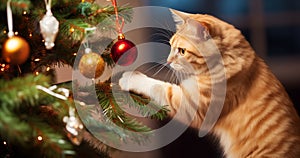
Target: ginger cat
(257, 120)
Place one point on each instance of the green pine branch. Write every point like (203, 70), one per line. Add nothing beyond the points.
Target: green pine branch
(22, 119)
(148, 108)
(119, 119)
(113, 111)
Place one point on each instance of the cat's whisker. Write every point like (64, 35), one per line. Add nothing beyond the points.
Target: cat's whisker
(162, 66)
(162, 41)
(169, 32)
(182, 75)
(154, 66)
(165, 25)
(173, 77)
(160, 36)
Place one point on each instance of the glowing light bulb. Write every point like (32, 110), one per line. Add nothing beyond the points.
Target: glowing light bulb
(72, 29)
(40, 138)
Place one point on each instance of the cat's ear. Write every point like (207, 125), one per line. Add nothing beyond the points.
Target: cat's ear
(199, 30)
(179, 17)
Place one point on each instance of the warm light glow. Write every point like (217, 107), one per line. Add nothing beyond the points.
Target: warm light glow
(36, 73)
(4, 142)
(12, 44)
(16, 33)
(30, 35)
(24, 12)
(4, 32)
(3, 65)
(89, 61)
(37, 59)
(74, 54)
(72, 29)
(2, 69)
(48, 68)
(40, 138)
(43, 40)
(121, 46)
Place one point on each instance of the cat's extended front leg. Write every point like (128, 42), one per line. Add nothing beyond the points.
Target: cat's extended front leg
(161, 92)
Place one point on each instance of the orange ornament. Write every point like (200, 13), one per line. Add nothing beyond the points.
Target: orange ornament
(15, 50)
(91, 65)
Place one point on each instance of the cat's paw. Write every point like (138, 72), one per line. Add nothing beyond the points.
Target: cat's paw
(132, 80)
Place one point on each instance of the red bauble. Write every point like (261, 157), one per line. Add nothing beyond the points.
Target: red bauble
(124, 52)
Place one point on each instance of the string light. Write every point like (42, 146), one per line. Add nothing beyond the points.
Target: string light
(24, 12)
(4, 142)
(36, 73)
(72, 29)
(4, 31)
(37, 59)
(61, 141)
(30, 35)
(2, 69)
(48, 68)
(16, 33)
(3, 65)
(74, 54)
(40, 138)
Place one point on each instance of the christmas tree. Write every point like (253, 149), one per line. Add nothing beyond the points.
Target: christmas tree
(39, 118)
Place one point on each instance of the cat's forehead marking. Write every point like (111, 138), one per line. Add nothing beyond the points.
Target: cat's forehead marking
(182, 42)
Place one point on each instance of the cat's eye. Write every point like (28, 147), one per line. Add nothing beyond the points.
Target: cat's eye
(181, 51)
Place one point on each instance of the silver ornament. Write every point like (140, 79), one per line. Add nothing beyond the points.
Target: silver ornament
(49, 29)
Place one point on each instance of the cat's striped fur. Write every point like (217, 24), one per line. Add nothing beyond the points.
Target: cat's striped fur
(258, 119)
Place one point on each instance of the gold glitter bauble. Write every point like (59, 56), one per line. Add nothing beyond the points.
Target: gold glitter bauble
(15, 50)
(91, 65)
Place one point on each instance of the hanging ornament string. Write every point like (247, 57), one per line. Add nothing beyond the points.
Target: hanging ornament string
(119, 27)
(123, 52)
(15, 50)
(48, 7)
(10, 24)
(9, 20)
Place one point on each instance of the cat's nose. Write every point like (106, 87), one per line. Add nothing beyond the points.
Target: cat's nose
(169, 60)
